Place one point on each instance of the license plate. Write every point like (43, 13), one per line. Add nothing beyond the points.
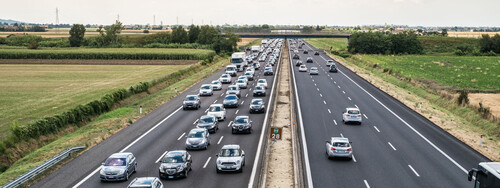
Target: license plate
(195, 146)
(170, 176)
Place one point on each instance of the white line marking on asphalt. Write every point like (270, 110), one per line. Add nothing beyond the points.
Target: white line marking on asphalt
(335, 122)
(356, 106)
(250, 89)
(220, 139)
(333, 81)
(246, 95)
(229, 123)
(130, 145)
(242, 102)
(331, 78)
(313, 80)
(236, 111)
(317, 89)
(315, 84)
(329, 111)
(366, 183)
(409, 126)
(376, 128)
(338, 87)
(320, 95)
(215, 101)
(206, 163)
(365, 116)
(221, 94)
(324, 102)
(196, 121)
(349, 98)
(206, 110)
(414, 171)
(392, 146)
(181, 136)
(343, 92)
(354, 158)
(341, 135)
(159, 158)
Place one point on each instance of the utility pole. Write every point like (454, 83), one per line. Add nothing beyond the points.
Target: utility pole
(177, 20)
(57, 20)
(154, 19)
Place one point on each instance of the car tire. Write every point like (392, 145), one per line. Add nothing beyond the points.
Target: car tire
(135, 168)
(218, 171)
(232, 131)
(186, 174)
(241, 170)
(126, 176)
(243, 162)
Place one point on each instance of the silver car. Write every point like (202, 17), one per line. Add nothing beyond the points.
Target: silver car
(208, 122)
(249, 75)
(146, 182)
(338, 147)
(242, 84)
(262, 82)
(231, 158)
(175, 164)
(243, 78)
(268, 71)
(191, 101)
(231, 101)
(198, 138)
(352, 115)
(206, 90)
(257, 105)
(242, 124)
(314, 71)
(118, 166)
(218, 111)
(233, 90)
(225, 79)
(216, 85)
(259, 91)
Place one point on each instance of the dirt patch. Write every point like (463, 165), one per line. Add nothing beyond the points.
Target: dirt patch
(491, 100)
(245, 41)
(97, 62)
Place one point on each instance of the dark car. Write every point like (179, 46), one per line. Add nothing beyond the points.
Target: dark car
(208, 122)
(197, 138)
(316, 53)
(259, 91)
(296, 56)
(333, 68)
(230, 101)
(242, 124)
(175, 164)
(298, 63)
(309, 60)
(306, 52)
(257, 105)
(191, 101)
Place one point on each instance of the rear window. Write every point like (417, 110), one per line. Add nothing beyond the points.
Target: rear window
(353, 111)
(215, 109)
(340, 144)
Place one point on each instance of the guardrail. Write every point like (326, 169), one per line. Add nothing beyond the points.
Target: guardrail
(41, 168)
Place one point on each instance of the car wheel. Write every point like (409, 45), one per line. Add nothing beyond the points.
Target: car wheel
(186, 174)
(241, 170)
(135, 168)
(232, 131)
(243, 162)
(217, 170)
(126, 176)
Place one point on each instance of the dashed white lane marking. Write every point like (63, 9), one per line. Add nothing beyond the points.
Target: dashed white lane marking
(354, 158)
(159, 158)
(392, 146)
(236, 111)
(334, 82)
(341, 135)
(414, 171)
(315, 84)
(246, 95)
(338, 87)
(313, 80)
(215, 101)
(242, 102)
(376, 128)
(220, 139)
(331, 78)
(317, 89)
(181, 136)
(206, 110)
(221, 94)
(250, 89)
(335, 122)
(324, 102)
(356, 106)
(329, 111)
(196, 121)
(343, 92)
(206, 163)
(229, 123)
(349, 98)
(320, 95)
(365, 116)
(366, 183)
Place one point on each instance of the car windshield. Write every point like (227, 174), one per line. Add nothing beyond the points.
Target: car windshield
(330, 61)
(115, 162)
(314, 68)
(239, 60)
(197, 134)
(248, 73)
(353, 112)
(259, 88)
(267, 69)
(230, 153)
(241, 81)
(205, 87)
(225, 76)
(257, 102)
(232, 88)
(242, 120)
(262, 81)
(215, 109)
(215, 82)
(207, 120)
(231, 97)
(340, 144)
(230, 68)
(173, 159)
(242, 77)
(302, 66)
(190, 98)
(142, 182)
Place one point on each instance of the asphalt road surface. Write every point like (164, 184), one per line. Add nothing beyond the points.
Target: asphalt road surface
(393, 147)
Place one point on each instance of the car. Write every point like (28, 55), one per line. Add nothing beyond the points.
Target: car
(250, 70)
(242, 84)
(257, 105)
(352, 114)
(333, 68)
(231, 70)
(306, 52)
(118, 166)
(329, 62)
(298, 63)
(296, 51)
(262, 82)
(208, 122)
(216, 85)
(218, 111)
(309, 60)
(268, 65)
(225, 79)
(231, 158)
(191, 101)
(338, 147)
(268, 71)
(241, 124)
(206, 90)
(259, 91)
(243, 78)
(256, 66)
(233, 89)
(316, 53)
(303, 68)
(231, 101)
(197, 138)
(313, 71)
(249, 75)
(175, 164)
(146, 182)
(296, 56)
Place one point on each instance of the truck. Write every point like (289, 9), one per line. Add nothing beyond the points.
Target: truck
(256, 50)
(487, 174)
(238, 59)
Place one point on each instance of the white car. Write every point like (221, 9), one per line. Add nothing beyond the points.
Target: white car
(352, 115)
(250, 69)
(338, 147)
(262, 82)
(216, 85)
(225, 79)
(249, 75)
(230, 158)
(242, 84)
(243, 78)
(206, 90)
(218, 111)
(302, 68)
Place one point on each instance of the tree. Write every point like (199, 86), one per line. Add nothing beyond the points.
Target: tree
(194, 32)
(77, 33)
(444, 32)
(112, 32)
(265, 26)
(307, 29)
(179, 35)
(420, 30)
(208, 35)
(318, 28)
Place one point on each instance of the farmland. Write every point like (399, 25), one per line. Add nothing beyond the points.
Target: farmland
(30, 92)
(336, 44)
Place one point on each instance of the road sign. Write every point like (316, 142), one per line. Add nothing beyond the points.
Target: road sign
(275, 133)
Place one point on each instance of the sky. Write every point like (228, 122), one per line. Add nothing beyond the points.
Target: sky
(273, 12)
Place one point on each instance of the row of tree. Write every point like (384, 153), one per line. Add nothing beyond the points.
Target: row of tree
(490, 44)
(381, 43)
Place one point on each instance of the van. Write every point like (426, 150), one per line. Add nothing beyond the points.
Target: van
(231, 70)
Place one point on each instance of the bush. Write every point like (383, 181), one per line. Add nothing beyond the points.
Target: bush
(490, 53)
(177, 45)
(33, 44)
(476, 52)
(3, 40)
(145, 31)
(380, 43)
(465, 48)
(459, 52)
(55, 43)
(463, 98)
(23, 40)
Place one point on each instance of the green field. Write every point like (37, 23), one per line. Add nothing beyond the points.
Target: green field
(106, 53)
(435, 44)
(463, 72)
(30, 92)
(336, 44)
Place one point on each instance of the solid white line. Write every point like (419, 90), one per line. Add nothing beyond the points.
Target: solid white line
(349, 98)
(409, 126)
(376, 128)
(354, 158)
(335, 122)
(365, 116)
(324, 102)
(215, 101)
(206, 163)
(329, 111)
(196, 121)
(181, 136)
(343, 92)
(414, 171)
(366, 183)
(159, 158)
(236, 111)
(392, 146)
(220, 139)
(130, 145)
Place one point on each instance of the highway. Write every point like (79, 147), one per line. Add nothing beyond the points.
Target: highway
(165, 129)
(393, 147)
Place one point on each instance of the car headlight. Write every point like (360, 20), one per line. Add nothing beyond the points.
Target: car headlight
(102, 172)
(187, 141)
(219, 162)
(183, 102)
(161, 170)
(238, 162)
(180, 168)
(122, 171)
(202, 141)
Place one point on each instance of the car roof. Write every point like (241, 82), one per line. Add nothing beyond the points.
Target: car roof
(176, 152)
(120, 155)
(205, 85)
(262, 79)
(352, 108)
(257, 100)
(138, 182)
(206, 116)
(215, 105)
(198, 130)
(340, 139)
(232, 146)
(245, 117)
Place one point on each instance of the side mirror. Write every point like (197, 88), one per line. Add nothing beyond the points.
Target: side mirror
(217, 155)
(243, 154)
(471, 174)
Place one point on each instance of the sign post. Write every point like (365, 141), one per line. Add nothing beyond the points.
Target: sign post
(275, 133)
